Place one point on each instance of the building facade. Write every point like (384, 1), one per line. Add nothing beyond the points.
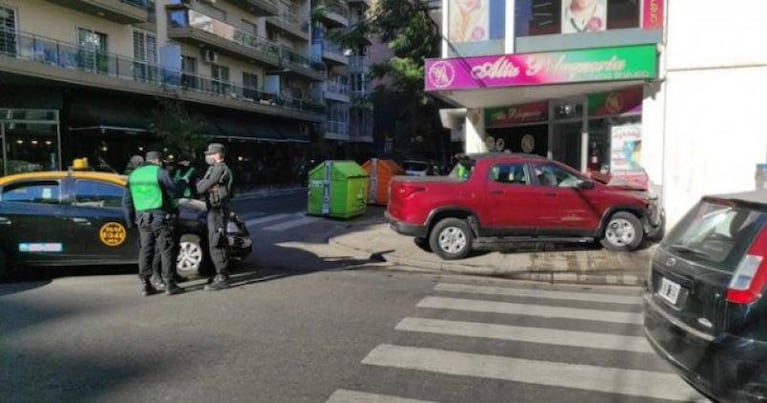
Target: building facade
(87, 78)
(641, 89)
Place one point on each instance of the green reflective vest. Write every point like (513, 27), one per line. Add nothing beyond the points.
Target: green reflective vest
(188, 186)
(145, 188)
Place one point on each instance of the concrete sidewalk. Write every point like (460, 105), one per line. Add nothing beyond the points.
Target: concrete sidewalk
(559, 263)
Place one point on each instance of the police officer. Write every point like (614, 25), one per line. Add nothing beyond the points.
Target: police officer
(185, 177)
(216, 185)
(150, 203)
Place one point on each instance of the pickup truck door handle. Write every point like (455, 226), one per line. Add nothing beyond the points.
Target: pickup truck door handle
(81, 221)
(496, 192)
(5, 221)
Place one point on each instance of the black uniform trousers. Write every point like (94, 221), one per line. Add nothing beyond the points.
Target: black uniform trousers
(156, 237)
(217, 239)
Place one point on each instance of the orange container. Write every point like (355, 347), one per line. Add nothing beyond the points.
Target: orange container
(380, 173)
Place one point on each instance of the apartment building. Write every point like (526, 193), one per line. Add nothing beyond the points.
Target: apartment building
(85, 78)
(661, 93)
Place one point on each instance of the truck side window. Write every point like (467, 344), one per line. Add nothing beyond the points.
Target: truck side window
(515, 174)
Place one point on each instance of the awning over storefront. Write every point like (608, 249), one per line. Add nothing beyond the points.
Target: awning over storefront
(486, 81)
(248, 129)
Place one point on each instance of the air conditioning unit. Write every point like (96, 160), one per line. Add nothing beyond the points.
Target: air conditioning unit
(209, 56)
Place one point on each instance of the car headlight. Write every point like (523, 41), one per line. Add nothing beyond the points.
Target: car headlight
(231, 227)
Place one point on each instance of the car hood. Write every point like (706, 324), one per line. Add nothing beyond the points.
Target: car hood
(616, 182)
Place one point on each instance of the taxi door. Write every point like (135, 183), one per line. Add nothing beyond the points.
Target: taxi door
(93, 213)
(28, 219)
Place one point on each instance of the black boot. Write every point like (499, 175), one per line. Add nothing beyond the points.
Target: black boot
(219, 283)
(147, 288)
(171, 288)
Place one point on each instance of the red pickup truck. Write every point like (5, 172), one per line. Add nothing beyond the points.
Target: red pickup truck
(499, 197)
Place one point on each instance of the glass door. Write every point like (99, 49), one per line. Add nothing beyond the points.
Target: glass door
(568, 133)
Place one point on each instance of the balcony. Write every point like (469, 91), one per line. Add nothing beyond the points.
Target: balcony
(260, 8)
(288, 21)
(334, 16)
(334, 53)
(337, 129)
(336, 91)
(48, 59)
(361, 131)
(119, 11)
(193, 27)
(359, 65)
(294, 63)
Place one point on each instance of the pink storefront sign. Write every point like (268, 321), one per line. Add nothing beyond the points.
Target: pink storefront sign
(603, 64)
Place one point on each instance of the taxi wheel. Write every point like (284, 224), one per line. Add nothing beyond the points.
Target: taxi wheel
(191, 256)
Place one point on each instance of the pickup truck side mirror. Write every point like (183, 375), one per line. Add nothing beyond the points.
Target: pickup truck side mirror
(585, 184)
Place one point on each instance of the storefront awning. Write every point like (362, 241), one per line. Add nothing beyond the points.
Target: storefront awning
(486, 81)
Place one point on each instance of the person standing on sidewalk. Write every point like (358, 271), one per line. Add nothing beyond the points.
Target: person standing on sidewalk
(216, 185)
(150, 203)
(186, 176)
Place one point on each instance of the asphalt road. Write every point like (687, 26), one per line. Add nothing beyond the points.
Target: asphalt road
(308, 323)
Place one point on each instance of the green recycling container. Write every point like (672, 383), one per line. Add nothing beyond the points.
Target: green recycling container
(337, 189)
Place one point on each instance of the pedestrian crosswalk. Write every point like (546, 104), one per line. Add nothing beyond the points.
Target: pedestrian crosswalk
(482, 334)
(280, 222)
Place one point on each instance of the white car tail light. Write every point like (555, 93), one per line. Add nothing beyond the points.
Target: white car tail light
(751, 274)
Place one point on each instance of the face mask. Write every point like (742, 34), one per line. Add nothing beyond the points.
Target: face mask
(210, 160)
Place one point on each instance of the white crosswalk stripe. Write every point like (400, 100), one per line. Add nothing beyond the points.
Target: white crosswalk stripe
(530, 310)
(527, 334)
(527, 292)
(643, 378)
(262, 220)
(350, 396)
(587, 377)
(291, 224)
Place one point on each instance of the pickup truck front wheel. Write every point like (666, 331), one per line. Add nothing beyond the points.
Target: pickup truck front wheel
(623, 232)
(451, 239)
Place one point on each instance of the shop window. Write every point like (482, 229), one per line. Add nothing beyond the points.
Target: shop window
(547, 17)
(47, 192)
(98, 194)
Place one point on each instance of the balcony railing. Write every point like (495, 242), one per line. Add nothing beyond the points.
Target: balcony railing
(120, 11)
(289, 20)
(359, 64)
(334, 48)
(337, 126)
(63, 55)
(197, 20)
(337, 88)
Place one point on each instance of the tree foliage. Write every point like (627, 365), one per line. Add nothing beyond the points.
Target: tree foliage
(177, 129)
(412, 36)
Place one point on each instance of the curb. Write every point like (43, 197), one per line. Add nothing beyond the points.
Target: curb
(566, 277)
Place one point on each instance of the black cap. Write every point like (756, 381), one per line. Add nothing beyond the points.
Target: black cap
(153, 155)
(214, 148)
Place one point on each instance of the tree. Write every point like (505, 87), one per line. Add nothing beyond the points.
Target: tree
(177, 129)
(412, 36)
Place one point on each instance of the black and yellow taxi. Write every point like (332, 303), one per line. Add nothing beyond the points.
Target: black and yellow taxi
(75, 218)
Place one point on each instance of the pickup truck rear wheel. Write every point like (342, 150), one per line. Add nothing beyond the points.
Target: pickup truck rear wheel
(623, 232)
(451, 239)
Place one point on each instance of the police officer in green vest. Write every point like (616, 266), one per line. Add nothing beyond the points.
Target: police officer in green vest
(150, 203)
(216, 185)
(185, 176)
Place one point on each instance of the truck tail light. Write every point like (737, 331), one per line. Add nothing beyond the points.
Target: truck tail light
(751, 274)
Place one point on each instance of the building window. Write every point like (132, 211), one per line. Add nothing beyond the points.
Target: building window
(547, 17)
(250, 86)
(220, 80)
(145, 53)
(8, 31)
(92, 50)
(189, 72)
